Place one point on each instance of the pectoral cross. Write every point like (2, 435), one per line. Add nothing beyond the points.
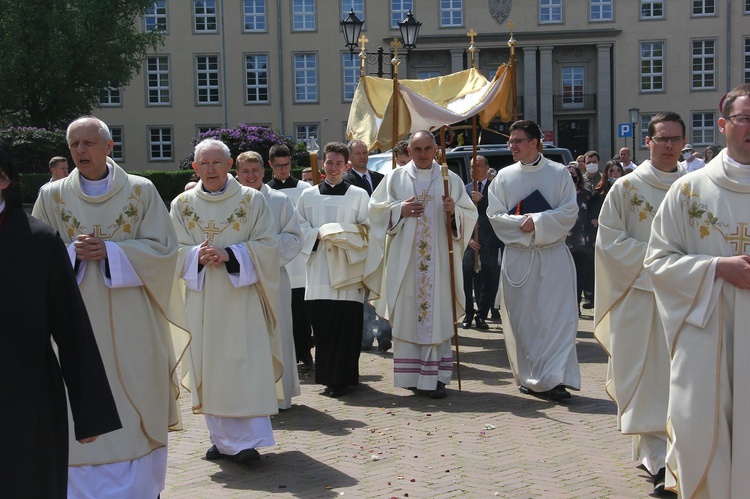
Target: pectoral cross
(98, 232)
(211, 231)
(739, 239)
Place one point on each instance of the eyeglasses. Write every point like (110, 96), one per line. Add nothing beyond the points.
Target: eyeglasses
(515, 142)
(739, 119)
(670, 140)
(282, 166)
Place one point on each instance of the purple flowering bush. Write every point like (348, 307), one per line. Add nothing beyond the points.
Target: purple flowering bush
(243, 138)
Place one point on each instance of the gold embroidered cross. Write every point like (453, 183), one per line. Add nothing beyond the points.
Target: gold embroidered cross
(424, 197)
(739, 239)
(98, 232)
(211, 231)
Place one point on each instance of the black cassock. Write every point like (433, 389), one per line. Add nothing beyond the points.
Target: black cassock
(39, 300)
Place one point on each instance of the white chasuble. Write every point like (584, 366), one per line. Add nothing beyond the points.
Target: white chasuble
(289, 237)
(539, 312)
(411, 285)
(706, 214)
(314, 210)
(234, 360)
(626, 321)
(131, 324)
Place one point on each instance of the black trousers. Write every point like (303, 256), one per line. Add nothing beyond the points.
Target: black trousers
(483, 285)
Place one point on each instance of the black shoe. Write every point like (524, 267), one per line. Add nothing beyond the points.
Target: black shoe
(558, 393)
(213, 454)
(366, 347)
(247, 456)
(494, 314)
(481, 324)
(525, 390)
(327, 391)
(588, 304)
(384, 345)
(439, 392)
(337, 391)
(466, 324)
(659, 481)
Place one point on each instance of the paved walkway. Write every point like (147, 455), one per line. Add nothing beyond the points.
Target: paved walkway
(487, 440)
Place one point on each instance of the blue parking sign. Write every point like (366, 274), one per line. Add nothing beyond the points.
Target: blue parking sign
(625, 130)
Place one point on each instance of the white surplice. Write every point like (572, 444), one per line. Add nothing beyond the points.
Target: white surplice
(626, 321)
(413, 278)
(540, 317)
(705, 215)
(289, 235)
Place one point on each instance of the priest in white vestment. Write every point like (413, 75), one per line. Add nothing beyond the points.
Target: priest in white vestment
(408, 216)
(626, 321)
(333, 216)
(229, 262)
(532, 206)
(124, 250)
(280, 161)
(289, 237)
(700, 270)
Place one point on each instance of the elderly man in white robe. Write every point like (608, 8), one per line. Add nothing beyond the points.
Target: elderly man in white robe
(289, 236)
(700, 270)
(532, 206)
(229, 261)
(333, 216)
(626, 321)
(124, 249)
(409, 210)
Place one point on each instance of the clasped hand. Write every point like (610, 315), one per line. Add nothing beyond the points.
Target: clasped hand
(210, 256)
(88, 247)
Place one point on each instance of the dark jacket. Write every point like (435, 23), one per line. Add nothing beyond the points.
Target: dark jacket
(353, 178)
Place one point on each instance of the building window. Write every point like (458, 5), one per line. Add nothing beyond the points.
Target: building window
(256, 79)
(550, 11)
(110, 97)
(747, 59)
(206, 128)
(704, 7)
(747, 6)
(204, 16)
(358, 6)
(645, 119)
(159, 143)
(427, 73)
(303, 15)
(157, 80)
(451, 13)
(600, 10)
(399, 10)
(350, 70)
(703, 64)
(703, 131)
(117, 150)
(652, 66)
(652, 9)
(155, 17)
(305, 77)
(254, 15)
(305, 132)
(572, 87)
(207, 79)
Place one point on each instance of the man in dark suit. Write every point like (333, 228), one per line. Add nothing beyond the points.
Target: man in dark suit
(360, 176)
(358, 173)
(485, 282)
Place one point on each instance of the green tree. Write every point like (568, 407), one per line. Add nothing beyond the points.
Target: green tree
(58, 56)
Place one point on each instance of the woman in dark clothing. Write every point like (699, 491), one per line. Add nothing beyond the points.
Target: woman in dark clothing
(578, 238)
(39, 301)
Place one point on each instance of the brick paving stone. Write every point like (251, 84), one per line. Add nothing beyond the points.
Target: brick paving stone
(487, 440)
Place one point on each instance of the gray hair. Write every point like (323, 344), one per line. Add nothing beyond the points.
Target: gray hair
(103, 128)
(210, 144)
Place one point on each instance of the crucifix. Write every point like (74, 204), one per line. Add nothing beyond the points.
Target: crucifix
(739, 239)
(210, 231)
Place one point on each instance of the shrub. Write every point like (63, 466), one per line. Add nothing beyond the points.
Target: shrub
(32, 147)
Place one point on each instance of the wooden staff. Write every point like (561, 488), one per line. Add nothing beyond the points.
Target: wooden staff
(315, 169)
(449, 226)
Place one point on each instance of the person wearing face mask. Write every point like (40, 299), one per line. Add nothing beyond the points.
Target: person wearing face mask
(691, 160)
(626, 320)
(591, 176)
